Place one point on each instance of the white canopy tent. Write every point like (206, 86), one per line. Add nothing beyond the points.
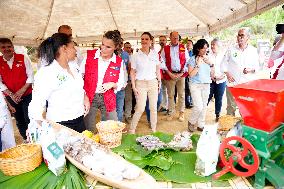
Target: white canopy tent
(27, 22)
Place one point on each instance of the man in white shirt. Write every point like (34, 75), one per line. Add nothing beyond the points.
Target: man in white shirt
(164, 104)
(79, 58)
(68, 31)
(16, 78)
(174, 58)
(239, 64)
(218, 85)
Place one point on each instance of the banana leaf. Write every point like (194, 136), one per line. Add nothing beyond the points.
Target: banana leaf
(165, 164)
(42, 178)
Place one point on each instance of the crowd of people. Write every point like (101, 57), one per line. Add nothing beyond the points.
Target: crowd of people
(113, 79)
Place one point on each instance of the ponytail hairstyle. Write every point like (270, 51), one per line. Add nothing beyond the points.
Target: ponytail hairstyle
(115, 37)
(49, 48)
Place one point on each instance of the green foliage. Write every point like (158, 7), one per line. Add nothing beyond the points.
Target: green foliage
(41, 178)
(262, 26)
(166, 164)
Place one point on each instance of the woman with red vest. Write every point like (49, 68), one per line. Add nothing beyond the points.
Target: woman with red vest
(103, 76)
(146, 81)
(60, 84)
(16, 77)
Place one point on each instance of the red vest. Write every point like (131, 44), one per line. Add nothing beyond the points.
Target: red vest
(91, 79)
(277, 70)
(168, 60)
(16, 77)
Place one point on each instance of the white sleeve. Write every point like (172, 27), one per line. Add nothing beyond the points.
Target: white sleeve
(224, 62)
(3, 87)
(125, 75)
(255, 60)
(187, 58)
(163, 61)
(121, 79)
(158, 62)
(82, 67)
(3, 111)
(133, 61)
(276, 54)
(80, 58)
(29, 69)
(41, 92)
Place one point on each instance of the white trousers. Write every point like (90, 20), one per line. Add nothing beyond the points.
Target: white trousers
(199, 94)
(7, 133)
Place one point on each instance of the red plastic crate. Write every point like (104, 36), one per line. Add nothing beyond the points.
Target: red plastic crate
(261, 103)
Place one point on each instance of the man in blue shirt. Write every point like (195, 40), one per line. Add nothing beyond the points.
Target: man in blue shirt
(128, 89)
(120, 95)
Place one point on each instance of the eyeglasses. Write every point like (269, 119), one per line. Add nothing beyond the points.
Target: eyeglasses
(241, 35)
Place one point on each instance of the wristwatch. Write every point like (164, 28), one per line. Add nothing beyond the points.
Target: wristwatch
(211, 65)
(9, 93)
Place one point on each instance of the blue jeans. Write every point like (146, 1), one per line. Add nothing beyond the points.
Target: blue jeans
(120, 95)
(160, 98)
(217, 90)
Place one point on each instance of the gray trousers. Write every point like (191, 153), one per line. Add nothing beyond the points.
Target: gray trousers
(231, 104)
(98, 103)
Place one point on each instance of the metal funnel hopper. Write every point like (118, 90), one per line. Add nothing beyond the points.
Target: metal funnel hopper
(261, 103)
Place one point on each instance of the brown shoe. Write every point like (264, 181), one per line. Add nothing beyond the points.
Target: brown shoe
(190, 127)
(128, 120)
(124, 130)
(170, 117)
(199, 129)
(181, 117)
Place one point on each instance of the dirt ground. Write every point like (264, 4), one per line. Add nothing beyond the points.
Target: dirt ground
(163, 125)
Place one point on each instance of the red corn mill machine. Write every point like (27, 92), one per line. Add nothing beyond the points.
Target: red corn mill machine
(260, 151)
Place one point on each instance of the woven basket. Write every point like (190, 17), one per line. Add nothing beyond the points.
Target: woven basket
(110, 132)
(20, 159)
(226, 122)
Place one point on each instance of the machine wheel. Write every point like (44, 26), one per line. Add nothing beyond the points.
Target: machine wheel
(238, 156)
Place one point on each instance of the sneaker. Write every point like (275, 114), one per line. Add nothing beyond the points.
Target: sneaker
(189, 105)
(181, 117)
(190, 127)
(163, 110)
(167, 113)
(124, 130)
